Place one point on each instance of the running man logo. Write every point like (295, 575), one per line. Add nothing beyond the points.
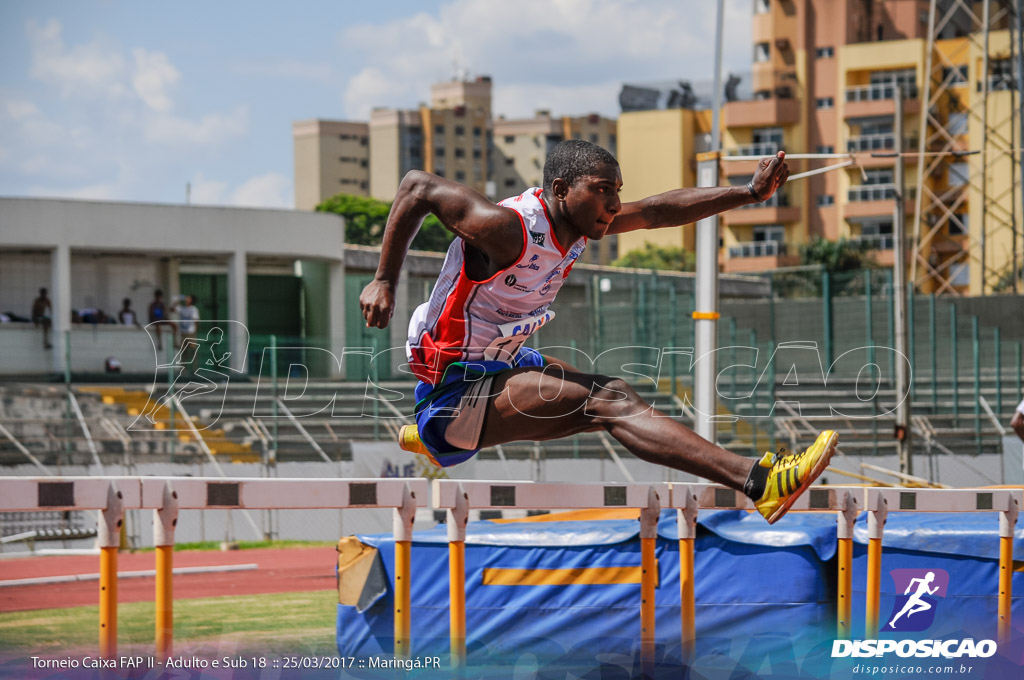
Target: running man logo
(914, 610)
(200, 371)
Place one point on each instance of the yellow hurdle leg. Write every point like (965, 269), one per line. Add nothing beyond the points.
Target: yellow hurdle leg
(688, 606)
(164, 599)
(845, 605)
(648, 581)
(108, 602)
(403, 620)
(1005, 586)
(874, 584)
(457, 595)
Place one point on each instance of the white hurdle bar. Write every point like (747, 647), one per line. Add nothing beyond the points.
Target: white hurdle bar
(879, 502)
(459, 496)
(167, 495)
(689, 499)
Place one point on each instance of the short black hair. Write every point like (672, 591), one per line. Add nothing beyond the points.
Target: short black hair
(575, 158)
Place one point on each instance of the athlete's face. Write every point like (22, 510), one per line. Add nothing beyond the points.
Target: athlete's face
(592, 201)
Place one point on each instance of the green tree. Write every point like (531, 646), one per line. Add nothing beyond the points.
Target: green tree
(658, 257)
(365, 219)
(838, 256)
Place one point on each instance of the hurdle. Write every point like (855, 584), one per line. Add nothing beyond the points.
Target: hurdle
(111, 496)
(689, 499)
(167, 495)
(879, 502)
(457, 497)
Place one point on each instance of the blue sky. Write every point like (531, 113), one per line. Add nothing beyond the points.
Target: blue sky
(129, 101)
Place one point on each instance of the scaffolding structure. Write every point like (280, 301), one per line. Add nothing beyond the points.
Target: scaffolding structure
(969, 151)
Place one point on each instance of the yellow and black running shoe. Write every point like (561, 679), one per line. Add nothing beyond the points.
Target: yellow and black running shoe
(789, 475)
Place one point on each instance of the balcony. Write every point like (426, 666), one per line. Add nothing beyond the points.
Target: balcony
(879, 100)
(762, 112)
(756, 256)
(758, 149)
(874, 200)
(875, 241)
(882, 246)
(757, 249)
(882, 141)
(776, 210)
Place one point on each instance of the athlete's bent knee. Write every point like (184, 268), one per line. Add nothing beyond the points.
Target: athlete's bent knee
(613, 398)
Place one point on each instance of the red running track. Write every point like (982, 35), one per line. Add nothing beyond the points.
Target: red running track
(280, 571)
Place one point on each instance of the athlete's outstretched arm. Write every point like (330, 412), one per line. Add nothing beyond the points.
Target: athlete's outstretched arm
(683, 206)
(492, 230)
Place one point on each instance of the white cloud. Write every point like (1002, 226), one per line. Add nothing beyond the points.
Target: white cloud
(270, 190)
(85, 70)
(154, 75)
(210, 129)
(580, 45)
(19, 109)
(206, 192)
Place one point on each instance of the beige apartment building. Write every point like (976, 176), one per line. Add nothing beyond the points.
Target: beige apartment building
(449, 138)
(521, 146)
(824, 81)
(330, 157)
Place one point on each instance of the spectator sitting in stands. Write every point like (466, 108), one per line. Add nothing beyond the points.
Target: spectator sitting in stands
(41, 311)
(127, 315)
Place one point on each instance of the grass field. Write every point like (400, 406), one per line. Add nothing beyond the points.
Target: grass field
(266, 624)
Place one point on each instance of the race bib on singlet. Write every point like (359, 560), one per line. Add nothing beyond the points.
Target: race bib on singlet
(513, 335)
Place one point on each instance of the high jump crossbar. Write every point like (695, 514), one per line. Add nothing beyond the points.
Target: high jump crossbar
(167, 495)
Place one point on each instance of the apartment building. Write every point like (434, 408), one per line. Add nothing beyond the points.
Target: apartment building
(449, 138)
(330, 157)
(522, 145)
(824, 80)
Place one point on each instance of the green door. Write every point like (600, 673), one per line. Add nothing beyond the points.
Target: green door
(358, 337)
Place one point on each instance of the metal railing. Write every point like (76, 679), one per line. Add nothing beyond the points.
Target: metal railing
(778, 200)
(878, 141)
(879, 92)
(759, 149)
(757, 249)
(878, 241)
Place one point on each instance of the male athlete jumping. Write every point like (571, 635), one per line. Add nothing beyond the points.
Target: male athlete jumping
(479, 386)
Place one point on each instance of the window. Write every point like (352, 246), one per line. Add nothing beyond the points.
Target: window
(439, 173)
(477, 131)
(959, 227)
(593, 138)
(762, 6)
(439, 152)
(959, 174)
(510, 181)
(961, 274)
(460, 176)
(825, 103)
(825, 200)
(955, 75)
(825, 52)
(957, 124)
(460, 153)
(878, 176)
(824, 148)
(770, 232)
(1002, 75)
(762, 52)
(476, 153)
(905, 76)
(363, 141)
(510, 139)
(439, 129)
(772, 135)
(460, 130)
(510, 161)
